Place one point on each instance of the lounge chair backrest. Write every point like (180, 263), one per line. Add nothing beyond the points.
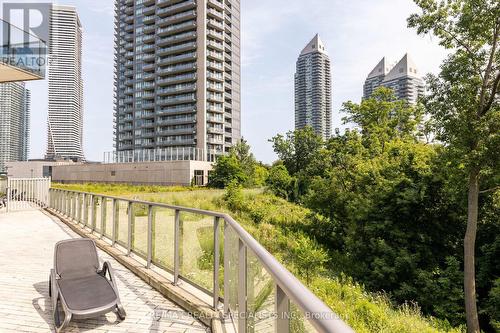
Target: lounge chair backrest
(76, 258)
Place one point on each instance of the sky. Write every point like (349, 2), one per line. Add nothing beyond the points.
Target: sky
(356, 33)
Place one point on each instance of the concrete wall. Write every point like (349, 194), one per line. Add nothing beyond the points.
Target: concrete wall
(31, 169)
(152, 173)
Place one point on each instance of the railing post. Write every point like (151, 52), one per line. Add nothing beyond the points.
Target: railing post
(242, 287)
(226, 269)
(130, 218)
(104, 204)
(176, 247)
(282, 311)
(92, 212)
(115, 222)
(216, 262)
(85, 214)
(150, 237)
(73, 207)
(80, 210)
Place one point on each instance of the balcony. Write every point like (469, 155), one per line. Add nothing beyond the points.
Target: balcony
(203, 260)
(22, 55)
(25, 286)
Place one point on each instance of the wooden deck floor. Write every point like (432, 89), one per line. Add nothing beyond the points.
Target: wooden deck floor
(26, 256)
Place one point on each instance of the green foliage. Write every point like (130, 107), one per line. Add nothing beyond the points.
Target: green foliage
(227, 169)
(279, 181)
(308, 257)
(302, 153)
(464, 105)
(276, 224)
(493, 305)
(206, 240)
(392, 220)
(240, 166)
(234, 196)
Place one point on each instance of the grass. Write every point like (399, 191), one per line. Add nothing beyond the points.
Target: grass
(276, 224)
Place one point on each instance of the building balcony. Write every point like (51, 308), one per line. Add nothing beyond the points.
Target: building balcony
(176, 28)
(176, 38)
(178, 58)
(178, 109)
(176, 18)
(177, 79)
(177, 131)
(177, 48)
(22, 55)
(172, 9)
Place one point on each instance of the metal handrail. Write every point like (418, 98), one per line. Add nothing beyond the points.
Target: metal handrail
(288, 287)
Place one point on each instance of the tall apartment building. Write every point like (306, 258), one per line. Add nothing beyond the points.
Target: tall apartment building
(177, 76)
(14, 123)
(313, 89)
(403, 77)
(65, 121)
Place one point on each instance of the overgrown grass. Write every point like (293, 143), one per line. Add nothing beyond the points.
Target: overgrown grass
(277, 224)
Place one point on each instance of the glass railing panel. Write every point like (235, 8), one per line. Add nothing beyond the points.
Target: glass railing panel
(79, 207)
(299, 322)
(21, 49)
(140, 229)
(197, 249)
(163, 238)
(261, 297)
(108, 218)
(122, 222)
(86, 210)
(97, 213)
(230, 263)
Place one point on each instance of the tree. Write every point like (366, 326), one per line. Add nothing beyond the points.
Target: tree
(464, 103)
(297, 149)
(239, 166)
(302, 153)
(227, 169)
(279, 181)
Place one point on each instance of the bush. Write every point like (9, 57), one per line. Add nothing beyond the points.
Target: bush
(279, 181)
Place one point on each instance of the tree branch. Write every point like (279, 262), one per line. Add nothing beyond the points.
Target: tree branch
(482, 99)
(467, 49)
(494, 92)
(490, 189)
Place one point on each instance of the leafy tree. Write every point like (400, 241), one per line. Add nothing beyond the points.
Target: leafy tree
(297, 149)
(308, 256)
(302, 153)
(395, 221)
(226, 170)
(279, 181)
(240, 166)
(465, 106)
(260, 174)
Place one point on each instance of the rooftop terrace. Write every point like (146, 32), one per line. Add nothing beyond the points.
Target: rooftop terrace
(167, 259)
(26, 254)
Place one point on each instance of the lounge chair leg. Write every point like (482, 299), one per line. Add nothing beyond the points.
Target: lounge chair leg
(120, 311)
(67, 319)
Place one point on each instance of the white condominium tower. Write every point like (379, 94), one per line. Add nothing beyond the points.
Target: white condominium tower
(313, 89)
(14, 123)
(403, 77)
(177, 77)
(65, 122)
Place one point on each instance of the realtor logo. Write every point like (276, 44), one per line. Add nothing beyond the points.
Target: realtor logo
(32, 18)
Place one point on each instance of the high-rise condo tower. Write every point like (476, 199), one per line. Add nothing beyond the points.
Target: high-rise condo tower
(14, 123)
(313, 89)
(65, 121)
(177, 78)
(403, 77)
